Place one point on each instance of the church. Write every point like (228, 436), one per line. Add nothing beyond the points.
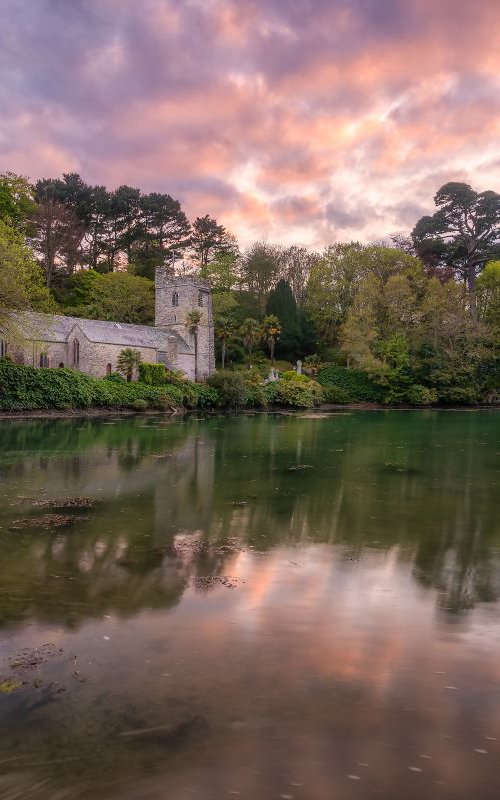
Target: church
(93, 346)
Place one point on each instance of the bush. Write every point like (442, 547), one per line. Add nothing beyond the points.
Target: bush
(335, 394)
(230, 387)
(359, 387)
(207, 396)
(138, 405)
(255, 395)
(115, 377)
(29, 388)
(294, 393)
(421, 395)
(152, 374)
(291, 375)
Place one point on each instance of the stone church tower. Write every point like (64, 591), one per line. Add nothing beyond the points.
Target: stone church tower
(175, 297)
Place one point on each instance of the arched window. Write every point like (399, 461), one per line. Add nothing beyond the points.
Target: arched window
(108, 369)
(44, 360)
(200, 299)
(175, 300)
(61, 365)
(76, 352)
(3, 348)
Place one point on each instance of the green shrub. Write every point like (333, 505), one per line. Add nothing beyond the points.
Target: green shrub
(359, 387)
(294, 393)
(207, 396)
(291, 375)
(421, 395)
(230, 387)
(335, 394)
(152, 374)
(115, 377)
(138, 405)
(255, 395)
(29, 388)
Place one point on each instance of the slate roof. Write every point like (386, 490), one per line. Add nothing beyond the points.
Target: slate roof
(57, 328)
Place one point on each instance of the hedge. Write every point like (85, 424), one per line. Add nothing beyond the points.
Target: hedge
(356, 385)
(293, 393)
(30, 388)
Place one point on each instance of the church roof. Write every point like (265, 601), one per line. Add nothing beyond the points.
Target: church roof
(57, 328)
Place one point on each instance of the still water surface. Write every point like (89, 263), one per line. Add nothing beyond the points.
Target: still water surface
(261, 606)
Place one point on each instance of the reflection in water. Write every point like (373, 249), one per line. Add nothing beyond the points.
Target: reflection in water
(263, 605)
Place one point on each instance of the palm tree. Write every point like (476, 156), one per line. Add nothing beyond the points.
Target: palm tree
(224, 329)
(250, 333)
(193, 320)
(127, 361)
(270, 331)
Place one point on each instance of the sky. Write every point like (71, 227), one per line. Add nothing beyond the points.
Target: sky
(297, 121)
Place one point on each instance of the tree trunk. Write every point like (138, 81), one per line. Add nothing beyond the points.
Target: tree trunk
(471, 287)
(223, 353)
(272, 352)
(196, 355)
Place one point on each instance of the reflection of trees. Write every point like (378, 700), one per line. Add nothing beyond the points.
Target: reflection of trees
(421, 480)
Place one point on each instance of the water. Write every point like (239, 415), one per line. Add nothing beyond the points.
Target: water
(260, 606)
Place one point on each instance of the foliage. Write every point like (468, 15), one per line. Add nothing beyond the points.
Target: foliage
(331, 288)
(230, 388)
(281, 304)
(21, 280)
(250, 334)
(16, 200)
(294, 394)
(27, 388)
(356, 384)
(208, 239)
(292, 375)
(464, 232)
(224, 329)
(488, 296)
(78, 290)
(335, 394)
(120, 297)
(270, 332)
(152, 374)
(128, 360)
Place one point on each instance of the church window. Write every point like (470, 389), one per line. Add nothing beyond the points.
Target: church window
(76, 352)
(44, 360)
(200, 299)
(175, 300)
(61, 365)
(108, 369)
(3, 348)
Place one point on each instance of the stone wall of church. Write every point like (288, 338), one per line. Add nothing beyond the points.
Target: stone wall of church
(176, 296)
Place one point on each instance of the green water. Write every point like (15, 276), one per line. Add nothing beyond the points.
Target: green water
(259, 606)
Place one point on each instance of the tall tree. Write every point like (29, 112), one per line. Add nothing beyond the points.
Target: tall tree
(270, 331)
(21, 279)
(281, 303)
(260, 268)
(464, 231)
(209, 238)
(331, 288)
(163, 233)
(56, 233)
(250, 332)
(297, 263)
(224, 329)
(17, 200)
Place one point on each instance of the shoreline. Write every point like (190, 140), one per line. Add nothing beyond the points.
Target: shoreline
(96, 413)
